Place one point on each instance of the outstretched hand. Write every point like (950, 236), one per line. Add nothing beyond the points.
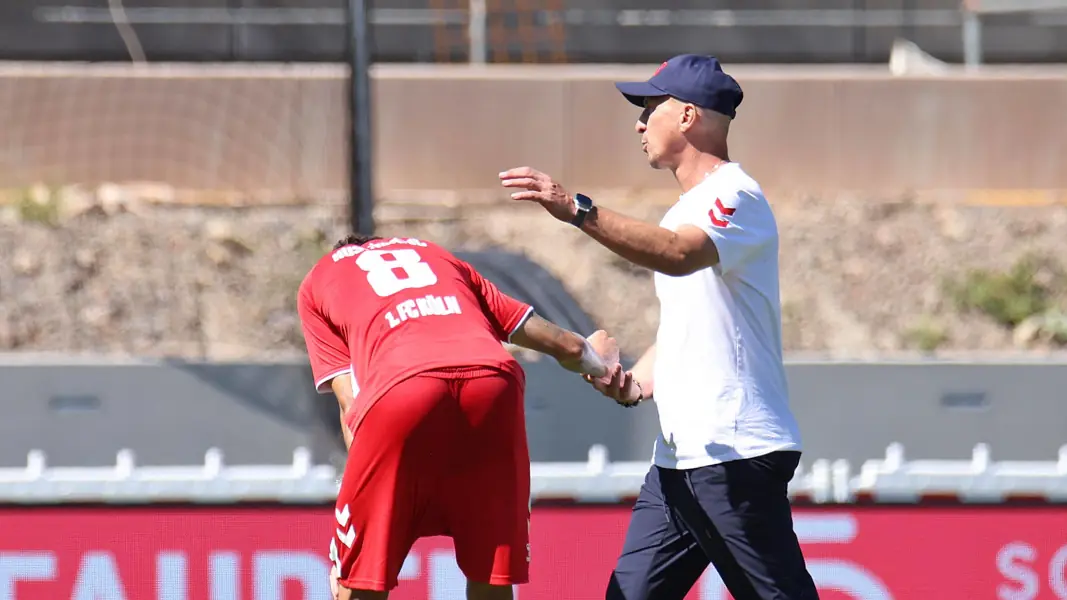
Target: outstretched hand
(534, 186)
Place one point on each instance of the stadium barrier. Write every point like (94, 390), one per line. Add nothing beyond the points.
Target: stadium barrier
(274, 133)
(889, 480)
(227, 532)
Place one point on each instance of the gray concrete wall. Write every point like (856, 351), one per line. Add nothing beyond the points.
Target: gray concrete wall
(81, 414)
(936, 410)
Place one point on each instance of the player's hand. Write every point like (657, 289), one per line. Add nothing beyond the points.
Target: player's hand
(534, 186)
(608, 349)
(621, 387)
(604, 344)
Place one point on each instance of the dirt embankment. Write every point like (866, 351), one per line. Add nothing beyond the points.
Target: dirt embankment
(114, 274)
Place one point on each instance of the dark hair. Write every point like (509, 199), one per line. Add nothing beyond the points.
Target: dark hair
(354, 240)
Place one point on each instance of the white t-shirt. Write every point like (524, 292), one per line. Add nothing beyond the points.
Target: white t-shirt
(720, 384)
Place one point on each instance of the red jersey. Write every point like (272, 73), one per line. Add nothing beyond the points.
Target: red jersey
(390, 309)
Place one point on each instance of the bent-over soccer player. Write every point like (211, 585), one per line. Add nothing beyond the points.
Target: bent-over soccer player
(409, 338)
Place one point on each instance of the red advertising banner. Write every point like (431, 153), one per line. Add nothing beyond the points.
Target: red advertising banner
(281, 553)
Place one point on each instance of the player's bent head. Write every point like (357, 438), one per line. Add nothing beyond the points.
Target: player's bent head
(354, 240)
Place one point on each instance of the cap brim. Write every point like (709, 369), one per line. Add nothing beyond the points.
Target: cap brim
(637, 91)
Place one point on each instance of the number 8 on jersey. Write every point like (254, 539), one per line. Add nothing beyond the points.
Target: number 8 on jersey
(383, 268)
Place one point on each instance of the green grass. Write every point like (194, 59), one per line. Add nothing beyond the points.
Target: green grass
(926, 336)
(38, 206)
(1008, 297)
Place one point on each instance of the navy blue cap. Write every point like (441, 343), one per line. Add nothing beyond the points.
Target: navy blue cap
(691, 78)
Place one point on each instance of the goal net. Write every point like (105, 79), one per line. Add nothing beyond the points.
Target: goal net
(217, 99)
(226, 132)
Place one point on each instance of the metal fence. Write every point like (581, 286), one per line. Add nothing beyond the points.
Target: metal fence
(811, 31)
(891, 479)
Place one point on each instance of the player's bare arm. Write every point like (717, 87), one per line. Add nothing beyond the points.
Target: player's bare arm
(571, 351)
(676, 253)
(342, 388)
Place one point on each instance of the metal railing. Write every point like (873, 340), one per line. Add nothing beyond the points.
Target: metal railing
(475, 17)
(973, 10)
(891, 479)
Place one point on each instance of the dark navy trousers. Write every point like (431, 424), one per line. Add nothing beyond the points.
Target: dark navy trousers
(734, 515)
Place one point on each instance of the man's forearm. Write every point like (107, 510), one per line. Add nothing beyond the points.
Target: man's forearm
(644, 244)
(570, 350)
(643, 371)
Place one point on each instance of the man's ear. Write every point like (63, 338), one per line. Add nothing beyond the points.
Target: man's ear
(687, 117)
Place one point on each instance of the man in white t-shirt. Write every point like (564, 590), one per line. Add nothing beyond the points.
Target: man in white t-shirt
(729, 444)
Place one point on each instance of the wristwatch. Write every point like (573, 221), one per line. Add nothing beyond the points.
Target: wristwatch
(583, 205)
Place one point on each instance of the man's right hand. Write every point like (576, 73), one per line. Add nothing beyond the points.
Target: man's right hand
(620, 387)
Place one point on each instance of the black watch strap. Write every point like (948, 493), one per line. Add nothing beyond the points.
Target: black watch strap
(583, 206)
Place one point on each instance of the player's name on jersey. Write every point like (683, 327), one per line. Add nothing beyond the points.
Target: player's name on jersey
(349, 251)
(427, 306)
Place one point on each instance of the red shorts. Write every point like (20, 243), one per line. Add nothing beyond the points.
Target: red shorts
(441, 453)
